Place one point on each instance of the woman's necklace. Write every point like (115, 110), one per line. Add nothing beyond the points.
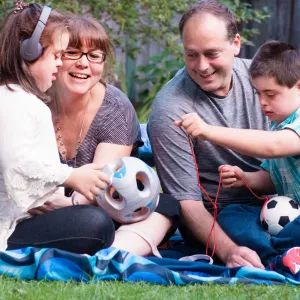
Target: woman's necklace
(64, 152)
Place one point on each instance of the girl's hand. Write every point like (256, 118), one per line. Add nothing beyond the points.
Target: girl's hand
(231, 176)
(88, 180)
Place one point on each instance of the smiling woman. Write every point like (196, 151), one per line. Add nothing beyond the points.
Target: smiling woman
(89, 115)
(95, 122)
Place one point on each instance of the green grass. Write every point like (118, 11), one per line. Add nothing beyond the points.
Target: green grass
(25, 290)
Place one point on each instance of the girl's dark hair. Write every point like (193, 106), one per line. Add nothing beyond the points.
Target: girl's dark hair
(16, 28)
(86, 31)
(216, 9)
(278, 60)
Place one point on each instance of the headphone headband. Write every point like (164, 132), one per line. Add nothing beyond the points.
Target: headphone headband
(31, 48)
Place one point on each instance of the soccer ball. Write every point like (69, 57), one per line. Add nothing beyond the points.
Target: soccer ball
(278, 212)
(134, 190)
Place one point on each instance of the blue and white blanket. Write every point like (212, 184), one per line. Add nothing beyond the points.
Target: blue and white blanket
(114, 264)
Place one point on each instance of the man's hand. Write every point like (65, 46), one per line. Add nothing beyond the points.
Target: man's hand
(242, 256)
(231, 176)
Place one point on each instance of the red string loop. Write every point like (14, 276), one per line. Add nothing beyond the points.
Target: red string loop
(214, 203)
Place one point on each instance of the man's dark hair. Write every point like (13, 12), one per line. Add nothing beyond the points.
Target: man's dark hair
(278, 60)
(216, 9)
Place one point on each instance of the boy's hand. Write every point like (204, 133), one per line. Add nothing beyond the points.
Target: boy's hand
(231, 176)
(193, 125)
(88, 180)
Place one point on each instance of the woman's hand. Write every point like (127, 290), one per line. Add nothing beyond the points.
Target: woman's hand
(231, 176)
(58, 200)
(88, 180)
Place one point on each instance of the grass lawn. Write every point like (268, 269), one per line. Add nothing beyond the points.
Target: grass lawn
(17, 289)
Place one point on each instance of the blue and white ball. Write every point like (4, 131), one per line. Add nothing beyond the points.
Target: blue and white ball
(134, 190)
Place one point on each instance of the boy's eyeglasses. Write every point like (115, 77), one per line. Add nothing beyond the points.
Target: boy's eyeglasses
(91, 56)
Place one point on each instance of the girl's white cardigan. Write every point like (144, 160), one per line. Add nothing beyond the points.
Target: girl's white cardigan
(30, 169)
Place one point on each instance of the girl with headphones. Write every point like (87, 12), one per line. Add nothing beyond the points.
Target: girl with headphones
(32, 41)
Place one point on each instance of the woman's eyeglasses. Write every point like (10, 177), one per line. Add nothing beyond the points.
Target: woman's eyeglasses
(93, 57)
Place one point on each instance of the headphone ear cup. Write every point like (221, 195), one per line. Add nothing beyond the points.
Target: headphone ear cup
(30, 52)
(31, 48)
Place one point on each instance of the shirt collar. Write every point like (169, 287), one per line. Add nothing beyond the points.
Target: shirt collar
(290, 119)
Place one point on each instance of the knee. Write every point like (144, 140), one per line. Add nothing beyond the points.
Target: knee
(229, 214)
(97, 222)
(169, 206)
(233, 208)
(236, 210)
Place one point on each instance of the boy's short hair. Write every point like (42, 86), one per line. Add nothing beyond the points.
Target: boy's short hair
(278, 60)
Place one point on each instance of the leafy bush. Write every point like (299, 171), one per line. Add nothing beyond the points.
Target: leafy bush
(154, 75)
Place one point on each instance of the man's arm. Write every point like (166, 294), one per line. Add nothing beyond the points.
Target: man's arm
(197, 219)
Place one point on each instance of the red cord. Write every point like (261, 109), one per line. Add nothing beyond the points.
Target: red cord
(266, 198)
(214, 203)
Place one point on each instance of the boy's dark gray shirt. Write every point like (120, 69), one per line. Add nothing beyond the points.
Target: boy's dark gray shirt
(172, 153)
